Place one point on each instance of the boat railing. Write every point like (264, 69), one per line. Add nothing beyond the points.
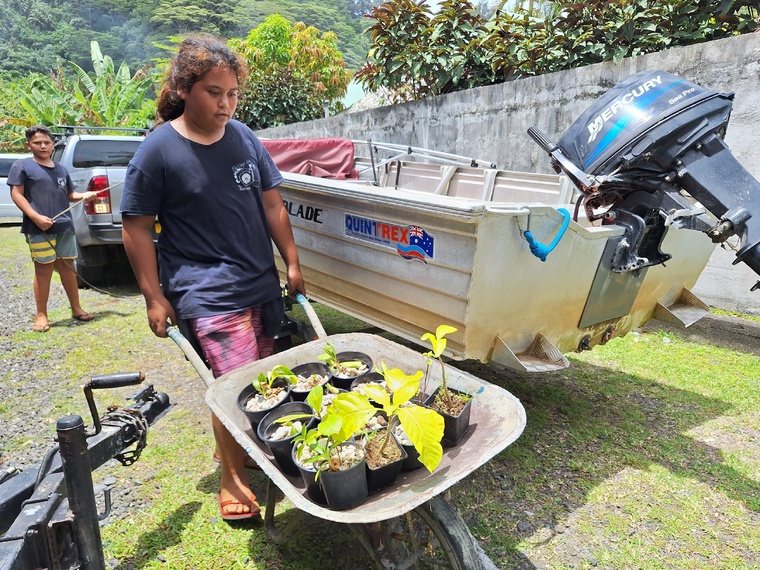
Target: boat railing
(400, 151)
(446, 174)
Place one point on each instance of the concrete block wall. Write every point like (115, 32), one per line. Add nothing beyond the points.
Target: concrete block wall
(490, 123)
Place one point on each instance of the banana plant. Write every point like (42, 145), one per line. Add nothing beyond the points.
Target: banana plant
(111, 97)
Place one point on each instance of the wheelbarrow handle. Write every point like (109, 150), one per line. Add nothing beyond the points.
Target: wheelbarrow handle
(191, 355)
(313, 318)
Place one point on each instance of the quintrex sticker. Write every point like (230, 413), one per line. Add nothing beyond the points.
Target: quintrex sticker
(410, 242)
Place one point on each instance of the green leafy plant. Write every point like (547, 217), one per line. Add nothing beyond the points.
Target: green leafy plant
(438, 342)
(323, 443)
(423, 426)
(330, 358)
(446, 400)
(350, 412)
(263, 382)
(295, 71)
(105, 97)
(414, 53)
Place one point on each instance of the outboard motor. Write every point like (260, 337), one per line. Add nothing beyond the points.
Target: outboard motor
(642, 150)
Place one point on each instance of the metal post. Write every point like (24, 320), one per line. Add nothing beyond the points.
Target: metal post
(78, 477)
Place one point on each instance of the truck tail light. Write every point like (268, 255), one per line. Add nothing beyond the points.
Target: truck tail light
(101, 204)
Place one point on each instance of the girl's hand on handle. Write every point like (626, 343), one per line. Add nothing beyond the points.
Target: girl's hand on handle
(160, 316)
(296, 283)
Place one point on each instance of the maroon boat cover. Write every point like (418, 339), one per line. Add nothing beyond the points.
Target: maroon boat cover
(324, 158)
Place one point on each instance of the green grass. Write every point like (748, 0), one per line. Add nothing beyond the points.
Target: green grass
(643, 454)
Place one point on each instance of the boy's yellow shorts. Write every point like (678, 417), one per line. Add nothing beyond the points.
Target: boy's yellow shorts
(46, 248)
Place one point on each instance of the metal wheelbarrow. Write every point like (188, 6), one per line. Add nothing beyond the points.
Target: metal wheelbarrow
(409, 525)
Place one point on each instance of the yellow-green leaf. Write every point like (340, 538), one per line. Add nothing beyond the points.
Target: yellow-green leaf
(424, 427)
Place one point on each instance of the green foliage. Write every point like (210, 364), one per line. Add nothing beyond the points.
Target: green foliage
(338, 16)
(423, 426)
(330, 358)
(183, 16)
(414, 54)
(295, 71)
(350, 412)
(438, 342)
(399, 58)
(592, 32)
(39, 35)
(263, 382)
(113, 97)
(107, 97)
(320, 443)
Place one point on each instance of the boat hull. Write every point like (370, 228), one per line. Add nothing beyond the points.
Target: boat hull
(408, 261)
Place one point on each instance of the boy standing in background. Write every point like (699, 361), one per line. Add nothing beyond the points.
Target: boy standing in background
(42, 189)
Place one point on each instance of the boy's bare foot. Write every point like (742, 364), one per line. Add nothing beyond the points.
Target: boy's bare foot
(41, 324)
(84, 316)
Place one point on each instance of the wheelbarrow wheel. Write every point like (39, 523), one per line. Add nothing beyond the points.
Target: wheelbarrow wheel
(431, 537)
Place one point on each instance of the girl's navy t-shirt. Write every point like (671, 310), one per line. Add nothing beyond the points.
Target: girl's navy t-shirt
(214, 250)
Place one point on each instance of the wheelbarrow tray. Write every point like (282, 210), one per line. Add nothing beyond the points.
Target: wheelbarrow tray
(497, 419)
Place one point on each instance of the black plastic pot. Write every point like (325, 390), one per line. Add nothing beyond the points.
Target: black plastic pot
(454, 427)
(383, 476)
(345, 489)
(364, 379)
(255, 416)
(308, 475)
(345, 383)
(307, 370)
(282, 448)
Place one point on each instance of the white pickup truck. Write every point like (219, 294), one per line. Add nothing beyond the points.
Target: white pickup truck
(96, 162)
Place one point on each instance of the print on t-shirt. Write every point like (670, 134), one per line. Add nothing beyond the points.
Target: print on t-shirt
(245, 175)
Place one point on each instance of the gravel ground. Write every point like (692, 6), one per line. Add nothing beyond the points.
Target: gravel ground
(34, 411)
(18, 367)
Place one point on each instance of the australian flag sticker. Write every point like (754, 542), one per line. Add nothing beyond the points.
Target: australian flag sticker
(420, 244)
(410, 242)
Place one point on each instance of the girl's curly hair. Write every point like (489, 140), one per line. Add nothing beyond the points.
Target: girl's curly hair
(197, 55)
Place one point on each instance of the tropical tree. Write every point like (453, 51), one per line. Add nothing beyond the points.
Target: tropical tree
(295, 70)
(113, 97)
(106, 98)
(182, 16)
(414, 54)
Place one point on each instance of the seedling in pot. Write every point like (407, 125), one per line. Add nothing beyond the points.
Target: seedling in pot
(346, 368)
(324, 441)
(445, 397)
(265, 390)
(423, 426)
(263, 382)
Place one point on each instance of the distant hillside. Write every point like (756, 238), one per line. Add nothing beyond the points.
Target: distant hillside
(39, 35)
